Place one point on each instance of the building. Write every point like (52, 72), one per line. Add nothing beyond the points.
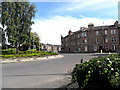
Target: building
(93, 39)
(51, 48)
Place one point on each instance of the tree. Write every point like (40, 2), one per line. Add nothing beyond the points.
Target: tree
(34, 42)
(17, 17)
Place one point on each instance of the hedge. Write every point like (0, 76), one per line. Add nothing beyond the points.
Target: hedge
(100, 73)
(10, 53)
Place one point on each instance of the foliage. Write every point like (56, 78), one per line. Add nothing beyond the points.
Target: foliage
(104, 71)
(34, 41)
(9, 51)
(17, 17)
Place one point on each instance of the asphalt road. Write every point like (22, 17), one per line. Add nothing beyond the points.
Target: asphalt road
(41, 74)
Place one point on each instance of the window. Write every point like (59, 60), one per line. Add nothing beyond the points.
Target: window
(86, 48)
(78, 43)
(106, 40)
(79, 49)
(114, 47)
(84, 34)
(78, 35)
(107, 47)
(105, 32)
(95, 48)
(113, 31)
(97, 40)
(97, 33)
(85, 41)
(74, 36)
(114, 39)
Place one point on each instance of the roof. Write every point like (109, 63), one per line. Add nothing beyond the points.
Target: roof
(82, 29)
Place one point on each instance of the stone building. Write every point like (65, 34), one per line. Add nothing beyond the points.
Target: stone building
(51, 48)
(93, 39)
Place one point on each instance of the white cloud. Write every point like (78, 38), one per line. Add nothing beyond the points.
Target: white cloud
(88, 4)
(50, 30)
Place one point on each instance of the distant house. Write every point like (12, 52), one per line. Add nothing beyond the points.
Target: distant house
(51, 48)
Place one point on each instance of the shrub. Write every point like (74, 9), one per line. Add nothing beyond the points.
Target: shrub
(31, 51)
(9, 51)
(26, 54)
(8, 56)
(103, 72)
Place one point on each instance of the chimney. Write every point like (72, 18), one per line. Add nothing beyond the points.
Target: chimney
(90, 25)
(70, 32)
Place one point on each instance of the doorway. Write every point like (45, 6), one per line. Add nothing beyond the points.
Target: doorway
(100, 48)
(69, 50)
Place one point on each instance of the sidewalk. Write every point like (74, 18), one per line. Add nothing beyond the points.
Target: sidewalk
(16, 60)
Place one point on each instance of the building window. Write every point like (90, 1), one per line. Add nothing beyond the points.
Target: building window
(105, 32)
(106, 47)
(95, 48)
(78, 43)
(78, 36)
(97, 40)
(85, 41)
(74, 36)
(97, 33)
(84, 34)
(86, 49)
(79, 49)
(113, 31)
(114, 47)
(114, 39)
(106, 40)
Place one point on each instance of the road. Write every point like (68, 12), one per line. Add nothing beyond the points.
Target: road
(41, 74)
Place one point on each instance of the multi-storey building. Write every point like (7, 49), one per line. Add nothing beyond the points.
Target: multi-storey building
(93, 39)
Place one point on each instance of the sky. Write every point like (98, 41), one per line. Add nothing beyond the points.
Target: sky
(54, 19)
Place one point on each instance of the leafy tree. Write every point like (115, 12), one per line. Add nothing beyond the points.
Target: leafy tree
(34, 42)
(17, 17)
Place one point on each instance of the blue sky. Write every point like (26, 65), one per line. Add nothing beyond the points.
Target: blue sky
(104, 10)
(56, 18)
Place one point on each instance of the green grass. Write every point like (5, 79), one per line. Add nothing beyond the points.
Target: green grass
(29, 54)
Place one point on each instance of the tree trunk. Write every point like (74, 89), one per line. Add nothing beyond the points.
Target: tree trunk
(16, 46)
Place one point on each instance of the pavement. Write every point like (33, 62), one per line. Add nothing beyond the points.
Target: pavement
(52, 73)
(16, 60)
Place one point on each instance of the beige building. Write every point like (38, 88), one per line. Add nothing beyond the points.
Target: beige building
(93, 39)
(51, 48)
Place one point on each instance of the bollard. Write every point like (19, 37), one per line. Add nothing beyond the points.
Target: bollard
(81, 61)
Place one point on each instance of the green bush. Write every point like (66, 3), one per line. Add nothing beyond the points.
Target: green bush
(31, 51)
(9, 51)
(8, 56)
(103, 72)
(27, 54)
